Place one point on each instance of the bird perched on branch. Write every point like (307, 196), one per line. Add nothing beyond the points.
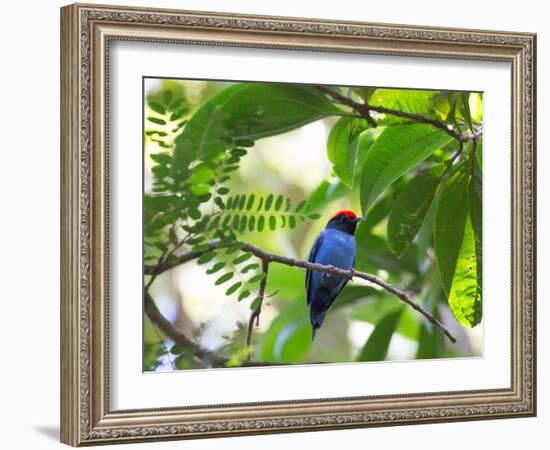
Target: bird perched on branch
(335, 246)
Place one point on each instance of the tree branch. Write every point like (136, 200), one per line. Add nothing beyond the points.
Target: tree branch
(364, 110)
(267, 258)
(255, 316)
(194, 348)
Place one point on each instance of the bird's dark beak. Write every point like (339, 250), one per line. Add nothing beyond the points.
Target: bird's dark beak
(358, 219)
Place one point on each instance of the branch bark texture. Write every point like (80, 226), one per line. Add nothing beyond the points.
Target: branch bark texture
(364, 110)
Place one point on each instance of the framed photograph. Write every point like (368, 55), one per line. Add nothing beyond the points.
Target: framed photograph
(277, 225)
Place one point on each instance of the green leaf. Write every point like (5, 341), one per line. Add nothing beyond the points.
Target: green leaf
(292, 222)
(244, 142)
(279, 202)
(176, 349)
(161, 158)
(272, 223)
(157, 120)
(243, 223)
(225, 277)
(261, 223)
(250, 202)
(249, 267)
(430, 342)
(300, 206)
(406, 100)
(376, 347)
(226, 220)
(244, 294)
(223, 191)
(216, 268)
(464, 106)
(314, 216)
(255, 303)
(236, 222)
(365, 93)
(268, 202)
(450, 220)
(206, 257)
(157, 107)
(234, 248)
(177, 103)
(229, 169)
(246, 112)
(257, 277)
(177, 115)
(410, 208)
(476, 211)
(396, 151)
(219, 202)
(465, 295)
(260, 204)
(233, 288)
(293, 342)
(242, 202)
(239, 152)
(251, 223)
(242, 258)
(455, 249)
(342, 151)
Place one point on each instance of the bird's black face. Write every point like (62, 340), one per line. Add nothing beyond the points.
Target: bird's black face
(344, 222)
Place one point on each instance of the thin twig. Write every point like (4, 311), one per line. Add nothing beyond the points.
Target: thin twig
(364, 110)
(351, 273)
(191, 346)
(255, 315)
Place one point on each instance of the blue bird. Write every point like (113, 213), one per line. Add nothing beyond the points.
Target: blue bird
(335, 246)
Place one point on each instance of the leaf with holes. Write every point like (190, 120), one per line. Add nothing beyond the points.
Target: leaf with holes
(455, 249)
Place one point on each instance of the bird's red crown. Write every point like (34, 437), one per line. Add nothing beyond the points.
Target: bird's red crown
(346, 212)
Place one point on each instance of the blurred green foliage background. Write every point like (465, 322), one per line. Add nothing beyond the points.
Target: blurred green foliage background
(418, 188)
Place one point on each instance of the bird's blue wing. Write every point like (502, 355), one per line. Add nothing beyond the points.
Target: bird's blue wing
(311, 258)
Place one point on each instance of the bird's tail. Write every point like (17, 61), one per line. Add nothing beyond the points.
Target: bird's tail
(313, 332)
(316, 319)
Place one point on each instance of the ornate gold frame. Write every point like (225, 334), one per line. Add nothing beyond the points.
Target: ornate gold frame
(86, 31)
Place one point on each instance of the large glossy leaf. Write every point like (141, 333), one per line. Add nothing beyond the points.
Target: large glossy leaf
(293, 342)
(396, 151)
(376, 347)
(342, 148)
(476, 211)
(455, 249)
(292, 322)
(410, 208)
(249, 112)
(204, 133)
(406, 100)
(430, 343)
(465, 295)
(450, 221)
